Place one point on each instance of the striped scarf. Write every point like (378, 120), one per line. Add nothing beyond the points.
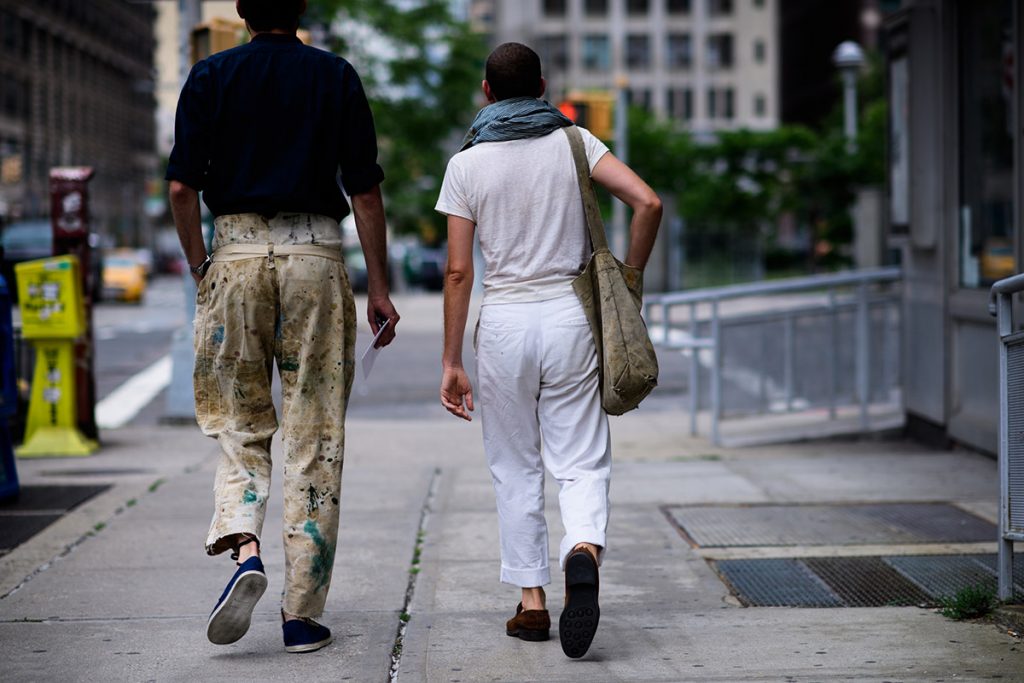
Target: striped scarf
(514, 119)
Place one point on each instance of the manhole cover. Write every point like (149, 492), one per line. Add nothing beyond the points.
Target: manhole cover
(782, 525)
(776, 583)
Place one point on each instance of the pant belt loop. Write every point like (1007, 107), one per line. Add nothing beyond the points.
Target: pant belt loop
(270, 255)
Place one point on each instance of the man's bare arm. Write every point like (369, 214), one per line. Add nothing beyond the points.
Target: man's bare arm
(456, 392)
(368, 208)
(185, 209)
(621, 181)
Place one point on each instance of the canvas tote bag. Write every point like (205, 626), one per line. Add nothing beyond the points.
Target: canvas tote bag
(612, 294)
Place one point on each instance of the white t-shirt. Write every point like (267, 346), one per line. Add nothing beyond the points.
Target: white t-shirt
(524, 198)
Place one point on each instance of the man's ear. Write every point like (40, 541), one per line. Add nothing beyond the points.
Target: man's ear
(543, 88)
(488, 93)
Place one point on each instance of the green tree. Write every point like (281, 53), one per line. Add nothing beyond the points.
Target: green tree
(421, 68)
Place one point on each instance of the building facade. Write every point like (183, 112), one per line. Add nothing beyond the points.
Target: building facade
(955, 192)
(709, 64)
(76, 88)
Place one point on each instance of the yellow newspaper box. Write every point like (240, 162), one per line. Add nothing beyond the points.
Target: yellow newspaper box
(52, 316)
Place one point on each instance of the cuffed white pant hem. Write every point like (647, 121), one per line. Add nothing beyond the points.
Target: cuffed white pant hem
(526, 578)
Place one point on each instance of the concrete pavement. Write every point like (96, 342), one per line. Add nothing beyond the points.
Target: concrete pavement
(120, 588)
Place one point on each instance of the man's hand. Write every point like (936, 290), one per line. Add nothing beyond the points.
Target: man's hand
(379, 311)
(457, 392)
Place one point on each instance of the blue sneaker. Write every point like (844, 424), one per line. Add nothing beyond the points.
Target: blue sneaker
(231, 617)
(305, 635)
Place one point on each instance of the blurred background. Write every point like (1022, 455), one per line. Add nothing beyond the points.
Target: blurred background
(787, 138)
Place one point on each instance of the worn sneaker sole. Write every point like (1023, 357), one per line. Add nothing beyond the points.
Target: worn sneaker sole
(309, 647)
(231, 619)
(578, 623)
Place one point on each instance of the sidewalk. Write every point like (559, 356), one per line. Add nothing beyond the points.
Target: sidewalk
(120, 589)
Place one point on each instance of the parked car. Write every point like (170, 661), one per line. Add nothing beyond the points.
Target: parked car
(424, 266)
(33, 239)
(355, 263)
(124, 276)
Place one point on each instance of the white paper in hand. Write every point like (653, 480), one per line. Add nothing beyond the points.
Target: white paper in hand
(370, 354)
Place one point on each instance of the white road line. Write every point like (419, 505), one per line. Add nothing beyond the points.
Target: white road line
(125, 402)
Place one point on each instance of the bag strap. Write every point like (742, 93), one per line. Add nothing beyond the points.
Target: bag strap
(598, 240)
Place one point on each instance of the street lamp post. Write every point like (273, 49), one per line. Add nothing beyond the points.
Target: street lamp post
(849, 58)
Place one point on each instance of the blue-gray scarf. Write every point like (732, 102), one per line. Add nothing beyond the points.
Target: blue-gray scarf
(514, 119)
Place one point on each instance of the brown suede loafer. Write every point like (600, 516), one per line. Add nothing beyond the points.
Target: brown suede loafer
(578, 623)
(531, 624)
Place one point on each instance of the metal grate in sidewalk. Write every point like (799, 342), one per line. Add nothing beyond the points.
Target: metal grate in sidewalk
(848, 524)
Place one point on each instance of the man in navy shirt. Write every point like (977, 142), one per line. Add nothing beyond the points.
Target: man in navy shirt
(265, 131)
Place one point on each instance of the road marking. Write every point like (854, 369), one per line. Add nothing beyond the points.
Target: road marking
(125, 402)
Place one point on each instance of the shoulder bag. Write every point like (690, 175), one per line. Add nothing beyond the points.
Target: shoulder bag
(612, 295)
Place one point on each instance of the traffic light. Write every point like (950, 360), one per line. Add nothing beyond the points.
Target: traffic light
(591, 109)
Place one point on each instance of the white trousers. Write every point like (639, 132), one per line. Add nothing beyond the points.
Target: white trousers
(538, 383)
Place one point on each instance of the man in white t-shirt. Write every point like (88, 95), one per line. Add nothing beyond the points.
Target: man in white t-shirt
(515, 186)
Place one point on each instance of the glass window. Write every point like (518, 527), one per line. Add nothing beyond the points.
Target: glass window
(639, 97)
(678, 6)
(987, 250)
(759, 51)
(720, 51)
(712, 103)
(596, 53)
(554, 8)
(728, 105)
(595, 8)
(637, 7)
(554, 53)
(760, 105)
(719, 8)
(638, 52)
(679, 53)
(687, 104)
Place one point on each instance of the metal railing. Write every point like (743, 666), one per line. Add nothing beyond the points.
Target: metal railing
(815, 308)
(1011, 428)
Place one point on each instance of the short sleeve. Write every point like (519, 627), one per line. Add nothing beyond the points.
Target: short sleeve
(360, 171)
(190, 156)
(594, 147)
(452, 200)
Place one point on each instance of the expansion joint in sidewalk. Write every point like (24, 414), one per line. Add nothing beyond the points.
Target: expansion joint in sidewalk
(414, 570)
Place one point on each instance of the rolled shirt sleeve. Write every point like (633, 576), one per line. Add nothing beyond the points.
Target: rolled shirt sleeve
(190, 156)
(360, 171)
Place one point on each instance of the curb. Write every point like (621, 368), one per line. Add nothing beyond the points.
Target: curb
(1011, 618)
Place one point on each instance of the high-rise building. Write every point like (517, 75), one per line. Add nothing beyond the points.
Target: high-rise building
(76, 88)
(709, 64)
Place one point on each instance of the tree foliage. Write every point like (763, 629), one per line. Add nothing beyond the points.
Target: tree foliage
(743, 182)
(421, 68)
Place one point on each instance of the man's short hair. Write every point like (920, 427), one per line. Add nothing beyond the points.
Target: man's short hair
(513, 70)
(267, 15)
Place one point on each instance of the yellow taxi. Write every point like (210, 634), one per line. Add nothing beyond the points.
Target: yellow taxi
(124, 277)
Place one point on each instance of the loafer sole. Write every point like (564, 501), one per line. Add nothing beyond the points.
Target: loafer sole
(578, 623)
(533, 635)
(230, 621)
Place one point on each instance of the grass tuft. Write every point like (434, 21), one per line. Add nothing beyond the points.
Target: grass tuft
(969, 603)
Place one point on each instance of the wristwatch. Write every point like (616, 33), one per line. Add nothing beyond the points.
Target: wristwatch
(201, 269)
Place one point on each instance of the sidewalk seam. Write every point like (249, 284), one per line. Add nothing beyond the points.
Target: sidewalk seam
(414, 568)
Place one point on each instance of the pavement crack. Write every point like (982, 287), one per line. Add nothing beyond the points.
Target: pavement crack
(414, 571)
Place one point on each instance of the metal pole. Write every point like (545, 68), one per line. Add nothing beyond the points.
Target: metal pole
(716, 373)
(862, 353)
(189, 15)
(834, 338)
(1005, 560)
(787, 350)
(850, 109)
(619, 228)
(694, 372)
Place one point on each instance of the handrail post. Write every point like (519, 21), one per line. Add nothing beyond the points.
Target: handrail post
(863, 358)
(694, 372)
(716, 373)
(1004, 321)
(834, 357)
(788, 351)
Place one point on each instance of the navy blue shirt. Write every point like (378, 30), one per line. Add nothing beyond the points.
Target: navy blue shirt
(266, 127)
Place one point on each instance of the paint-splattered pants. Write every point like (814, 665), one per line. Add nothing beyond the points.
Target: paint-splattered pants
(297, 310)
